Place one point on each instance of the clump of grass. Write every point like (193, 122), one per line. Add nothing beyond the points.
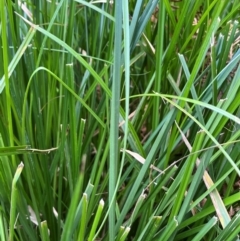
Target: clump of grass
(119, 121)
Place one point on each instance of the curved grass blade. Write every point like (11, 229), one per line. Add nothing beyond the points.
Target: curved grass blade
(90, 5)
(207, 132)
(66, 86)
(73, 52)
(18, 56)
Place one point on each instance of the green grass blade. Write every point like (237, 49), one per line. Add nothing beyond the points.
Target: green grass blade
(114, 118)
(96, 221)
(13, 208)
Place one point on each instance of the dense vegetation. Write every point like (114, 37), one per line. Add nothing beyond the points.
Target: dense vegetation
(119, 121)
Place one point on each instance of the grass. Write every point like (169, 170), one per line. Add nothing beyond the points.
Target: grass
(119, 121)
